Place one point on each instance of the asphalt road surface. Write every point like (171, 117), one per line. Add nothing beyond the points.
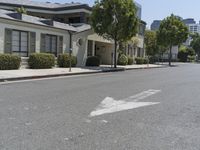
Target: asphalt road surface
(56, 114)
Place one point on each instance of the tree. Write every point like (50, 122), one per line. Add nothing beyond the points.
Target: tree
(115, 20)
(195, 44)
(194, 35)
(150, 40)
(21, 10)
(172, 32)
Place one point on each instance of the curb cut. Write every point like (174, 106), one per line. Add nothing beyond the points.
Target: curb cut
(74, 74)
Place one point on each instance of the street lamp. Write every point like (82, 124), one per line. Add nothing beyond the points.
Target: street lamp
(70, 51)
(70, 60)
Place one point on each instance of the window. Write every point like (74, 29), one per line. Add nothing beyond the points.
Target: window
(90, 47)
(75, 20)
(20, 43)
(51, 44)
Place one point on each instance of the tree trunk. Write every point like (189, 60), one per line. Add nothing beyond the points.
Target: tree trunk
(170, 56)
(115, 55)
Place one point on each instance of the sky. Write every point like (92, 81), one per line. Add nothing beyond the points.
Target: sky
(157, 9)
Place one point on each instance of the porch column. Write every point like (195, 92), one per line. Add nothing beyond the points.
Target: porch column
(93, 48)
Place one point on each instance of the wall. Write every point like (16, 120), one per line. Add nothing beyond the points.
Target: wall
(174, 53)
(104, 51)
(32, 28)
(80, 51)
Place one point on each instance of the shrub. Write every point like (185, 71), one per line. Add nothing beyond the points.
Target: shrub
(182, 56)
(186, 54)
(152, 59)
(93, 61)
(64, 61)
(122, 60)
(130, 60)
(139, 60)
(145, 60)
(191, 58)
(41, 61)
(9, 62)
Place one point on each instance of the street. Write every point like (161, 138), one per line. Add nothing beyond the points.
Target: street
(146, 109)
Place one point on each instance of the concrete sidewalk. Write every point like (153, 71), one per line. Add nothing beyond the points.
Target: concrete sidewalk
(22, 74)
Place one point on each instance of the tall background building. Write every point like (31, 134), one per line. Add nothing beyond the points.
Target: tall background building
(139, 10)
(155, 25)
(189, 21)
(193, 27)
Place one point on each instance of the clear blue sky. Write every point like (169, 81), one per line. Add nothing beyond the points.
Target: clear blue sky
(158, 9)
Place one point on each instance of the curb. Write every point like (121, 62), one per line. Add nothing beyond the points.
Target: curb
(74, 74)
(164, 66)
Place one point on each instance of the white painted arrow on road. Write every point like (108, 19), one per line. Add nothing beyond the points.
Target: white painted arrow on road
(109, 105)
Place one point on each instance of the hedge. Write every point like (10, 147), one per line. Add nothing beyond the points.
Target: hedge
(130, 60)
(122, 60)
(64, 61)
(191, 58)
(93, 61)
(9, 62)
(182, 56)
(146, 60)
(41, 61)
(139, 60)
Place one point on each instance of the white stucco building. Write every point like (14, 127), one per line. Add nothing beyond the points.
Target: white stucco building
(55, 28)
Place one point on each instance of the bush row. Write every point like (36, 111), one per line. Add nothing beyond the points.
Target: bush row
(46, 61)
(141, 60)
(122, 60)
(36, 61)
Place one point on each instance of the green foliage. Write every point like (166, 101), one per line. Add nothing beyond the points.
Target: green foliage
(195, 44)
(9, 62)
(182, 56)
(150, 40)
(152, 59)
(93, 61)
(130, 60)
(64, 61)
(172, 32)
(190, 51)
(122, 60)
(194, 35)
(146, 60)
(21, 10)
(122, 27)
(115, 20)
(139, 60)
(191, 58)
(185, 53)
(41, 61)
